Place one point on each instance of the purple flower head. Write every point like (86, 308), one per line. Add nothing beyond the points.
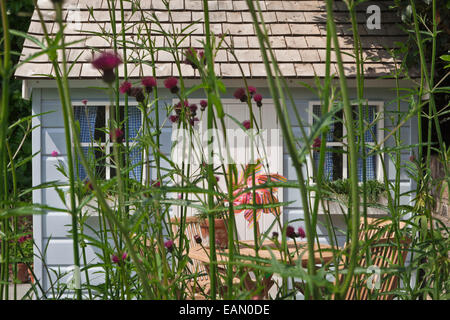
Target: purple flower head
(55, 153)
(171, 84)
(192, 121)
(124, 256)
(137, 93)
(22, 239)
(174, 118)
(125, 87)
(274, 235)
(203, 104)
(290, 232)
(148, 83)
(193, 108)
(217, 178)
(246, 124)
(301, 233)
(156, 184)
(115, 259)
(169, 245)
(117, 135)
(317, 143)
(240, 94)
(106, 61)
(252, 90)
(89, 185)
(198, 239)
(258, 99)
(84, 101)
(190, 55)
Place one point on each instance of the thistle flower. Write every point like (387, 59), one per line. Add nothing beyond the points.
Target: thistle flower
(22, 239)
(203, 104)
(317, 143)
(193, 108)
(290, 232)
(190, 54)
(301, 233)
(84, 101)
(274, 235)
(148, 83)
(192, 121)
(169, 245)
(115, 259)
(258, 99)
(171, 84)
(156, 184)
(240, 94)
(124, 256)
(252, 90)
(125, 87)
(106, 62)
(138, 94)
(55, 153)
(246, 124)
(174, 118)
(116, 135)
(198, 239)
(89, 185)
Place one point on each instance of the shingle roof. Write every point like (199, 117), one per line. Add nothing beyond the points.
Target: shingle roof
(297, 33)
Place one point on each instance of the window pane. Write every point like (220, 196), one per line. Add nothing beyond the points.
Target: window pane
(371, 166)
(370, 135)
(333, 163)
(335, 133)
(86, 116)
(100, 163)
(100, 125)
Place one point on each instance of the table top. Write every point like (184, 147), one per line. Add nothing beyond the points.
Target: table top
(246, 248)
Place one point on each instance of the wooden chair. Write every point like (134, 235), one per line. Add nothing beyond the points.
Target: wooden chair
(200, 285)
(379, 241)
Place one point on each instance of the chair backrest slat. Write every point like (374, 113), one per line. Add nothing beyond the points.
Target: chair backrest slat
(191, 229)
(383, 253)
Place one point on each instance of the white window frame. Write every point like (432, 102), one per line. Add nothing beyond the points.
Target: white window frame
(107, 143)
(380, 133)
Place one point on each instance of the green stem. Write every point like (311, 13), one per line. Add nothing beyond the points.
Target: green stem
(353, 156)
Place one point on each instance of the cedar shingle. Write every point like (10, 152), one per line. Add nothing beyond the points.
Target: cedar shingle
(297, 33)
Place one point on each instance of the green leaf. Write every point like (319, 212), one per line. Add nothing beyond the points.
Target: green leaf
(219, 107)
(445, 57)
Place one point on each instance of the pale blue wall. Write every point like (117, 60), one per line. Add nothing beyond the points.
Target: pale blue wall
(52, 229)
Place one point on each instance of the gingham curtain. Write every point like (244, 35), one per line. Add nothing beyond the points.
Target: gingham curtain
(369, 136)
(328, 166)
(86, 117)
(135, 155)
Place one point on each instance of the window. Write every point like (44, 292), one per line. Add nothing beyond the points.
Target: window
(96, 144)
(336, 160)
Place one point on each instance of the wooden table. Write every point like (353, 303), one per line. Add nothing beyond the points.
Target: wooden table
(268, 248)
